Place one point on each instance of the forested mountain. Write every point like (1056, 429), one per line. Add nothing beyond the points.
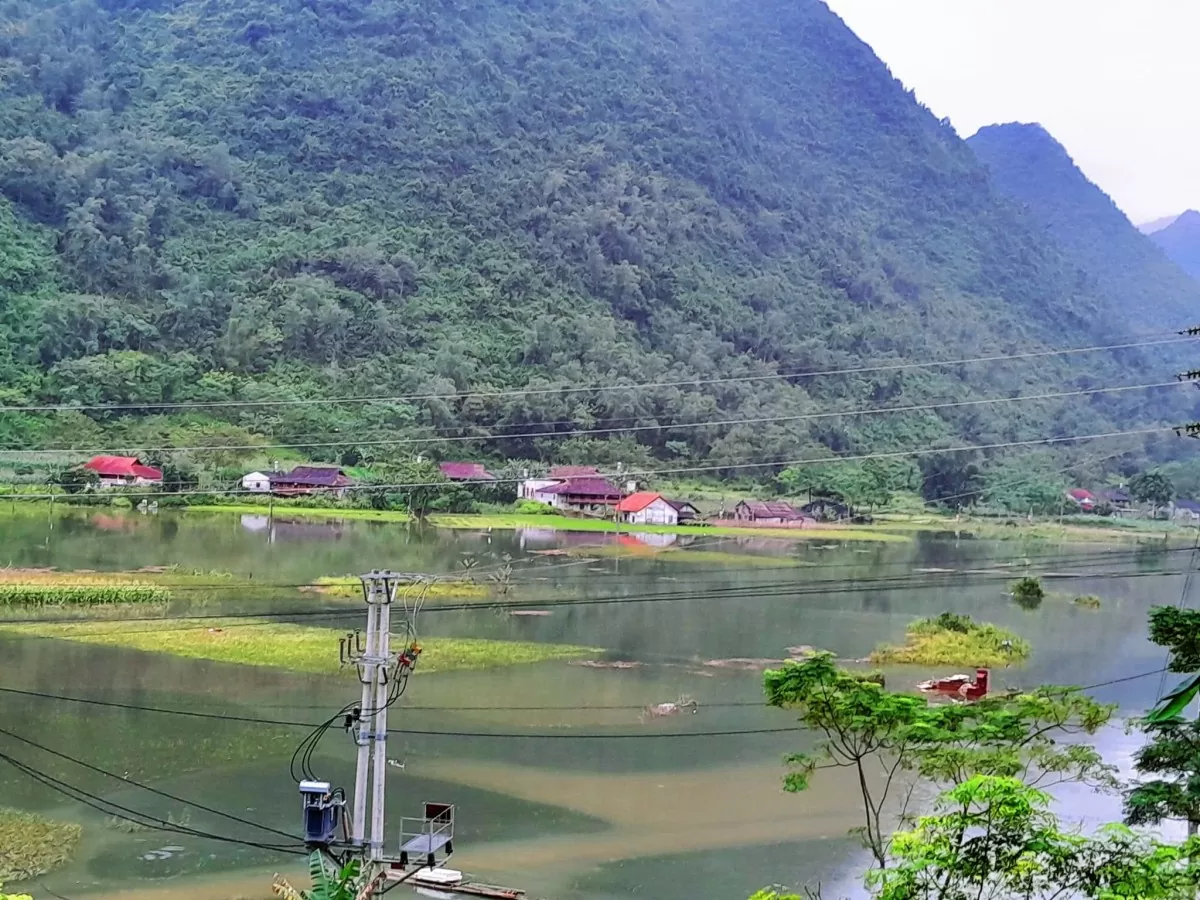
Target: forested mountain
(1156, 224)
(1027, 164)
(1181, 241)
(208, 200)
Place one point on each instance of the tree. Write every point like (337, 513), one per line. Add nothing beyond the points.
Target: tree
(1154, 488)
(951, 478)
(1173, 751)
(864, 726)
(994, 838)
(344, 883)
(75, 480)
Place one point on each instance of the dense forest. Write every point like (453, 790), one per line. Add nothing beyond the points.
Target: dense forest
(1180, 240)
(207, 201)
(1026, 163)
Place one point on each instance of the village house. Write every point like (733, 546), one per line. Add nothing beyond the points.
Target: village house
(687, 512)
(1117, 498)
(465, 471)
(123, 471)
(648, 508)
(1188, 510)
(588, 494)
(310, 480)
(766, 512)
(1082, 498)
(256, 483)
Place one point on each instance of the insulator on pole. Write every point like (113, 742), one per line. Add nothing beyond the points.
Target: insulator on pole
(1191, 429)
(1189, 375)
(1193, 331)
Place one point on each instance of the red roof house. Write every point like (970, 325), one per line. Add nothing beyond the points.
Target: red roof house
(310, 480)
(584, 493)
(648, 508)
(574, 472)
(466, 471)
(123, 470)
(1084, 498)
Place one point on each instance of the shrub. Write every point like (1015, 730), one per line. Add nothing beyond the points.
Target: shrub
(1028, 593)
(533, 508)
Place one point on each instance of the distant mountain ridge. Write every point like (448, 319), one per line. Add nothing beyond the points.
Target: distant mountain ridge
(1181, 241)
(1027, 164)
(1157, 224)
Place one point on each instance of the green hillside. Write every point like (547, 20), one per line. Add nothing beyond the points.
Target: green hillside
(1181, 241)
(213, 201)
(1027, 164)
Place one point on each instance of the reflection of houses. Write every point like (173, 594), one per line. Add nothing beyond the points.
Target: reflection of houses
(290, 530)
(123, 471)
(310, 480)
(256, 483)
(826, 509)
(1082, 498)
(465, 471)
(656, 540)
(766, 512)
(647, 508)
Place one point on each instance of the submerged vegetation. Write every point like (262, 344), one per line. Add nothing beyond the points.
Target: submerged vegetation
(952, 639)
(297, 647)
(32, 845)
(350, 587)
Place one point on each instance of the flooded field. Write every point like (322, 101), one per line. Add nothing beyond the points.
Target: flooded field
(564, 786)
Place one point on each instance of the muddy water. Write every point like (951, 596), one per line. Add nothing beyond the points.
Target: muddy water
(562, 788)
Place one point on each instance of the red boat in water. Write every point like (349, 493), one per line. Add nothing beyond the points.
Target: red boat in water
(960, 686)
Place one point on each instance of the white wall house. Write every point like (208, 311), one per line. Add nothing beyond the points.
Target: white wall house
(647, 508)
(534, 489)
(257, 482)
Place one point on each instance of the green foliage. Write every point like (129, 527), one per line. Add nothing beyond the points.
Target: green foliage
(953, 479)
(871, 483)
(1173, 755)
(282, 199)
(81, 594)
(533, 508)
(952, 639)
(1087, 601)
(994, 838)
(75, 480)
(1028, 592)
(863, 725)
(1152, 487)
(1178, 630)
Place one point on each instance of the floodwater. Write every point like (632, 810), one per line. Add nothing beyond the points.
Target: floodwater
(562, 788)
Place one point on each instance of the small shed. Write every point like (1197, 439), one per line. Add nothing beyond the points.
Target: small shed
(648, 508)
(256, 483)
(687, 512)
(465, 471)
(770, 512)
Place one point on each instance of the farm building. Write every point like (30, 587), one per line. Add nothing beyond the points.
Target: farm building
(310, 480)
(465, 471)
(123, 471)
(768, 512)
(256, 483)
(1082, 498)
(687, 512)
(1117, 498)
(647, 508)
(1186, 509)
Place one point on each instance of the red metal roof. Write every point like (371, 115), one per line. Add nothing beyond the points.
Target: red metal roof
(122, 467)
(466, 471)
(1081, 494)
(574, 471)
(639, 501)
(585, 487)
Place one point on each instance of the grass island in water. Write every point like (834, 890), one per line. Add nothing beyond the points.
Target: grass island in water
(951, 639)
(33, 845)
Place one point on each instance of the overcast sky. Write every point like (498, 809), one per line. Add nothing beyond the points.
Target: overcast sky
(1117, 82)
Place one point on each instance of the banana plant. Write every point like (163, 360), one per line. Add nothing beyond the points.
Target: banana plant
(346, 882)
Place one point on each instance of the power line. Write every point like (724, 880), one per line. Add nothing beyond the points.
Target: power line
(131, 782)
(578, 432)
(598, 387)
(678, 470)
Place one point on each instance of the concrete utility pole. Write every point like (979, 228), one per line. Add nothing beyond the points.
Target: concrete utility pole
(375, 671)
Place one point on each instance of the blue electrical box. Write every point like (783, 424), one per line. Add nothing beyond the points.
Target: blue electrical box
(322, 812)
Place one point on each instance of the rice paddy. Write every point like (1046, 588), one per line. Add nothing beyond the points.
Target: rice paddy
(282, 645)
(33, 845)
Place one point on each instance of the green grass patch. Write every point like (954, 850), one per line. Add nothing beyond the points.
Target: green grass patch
(566, 523)
(1087, 601)
(81, 594)
(954, 640)
(300, 648)
(350, 587)
(328, 514)
(33, 845)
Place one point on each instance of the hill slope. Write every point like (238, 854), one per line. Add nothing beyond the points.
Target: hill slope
(213, 200)
(1181, 241)
(1027, 164)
